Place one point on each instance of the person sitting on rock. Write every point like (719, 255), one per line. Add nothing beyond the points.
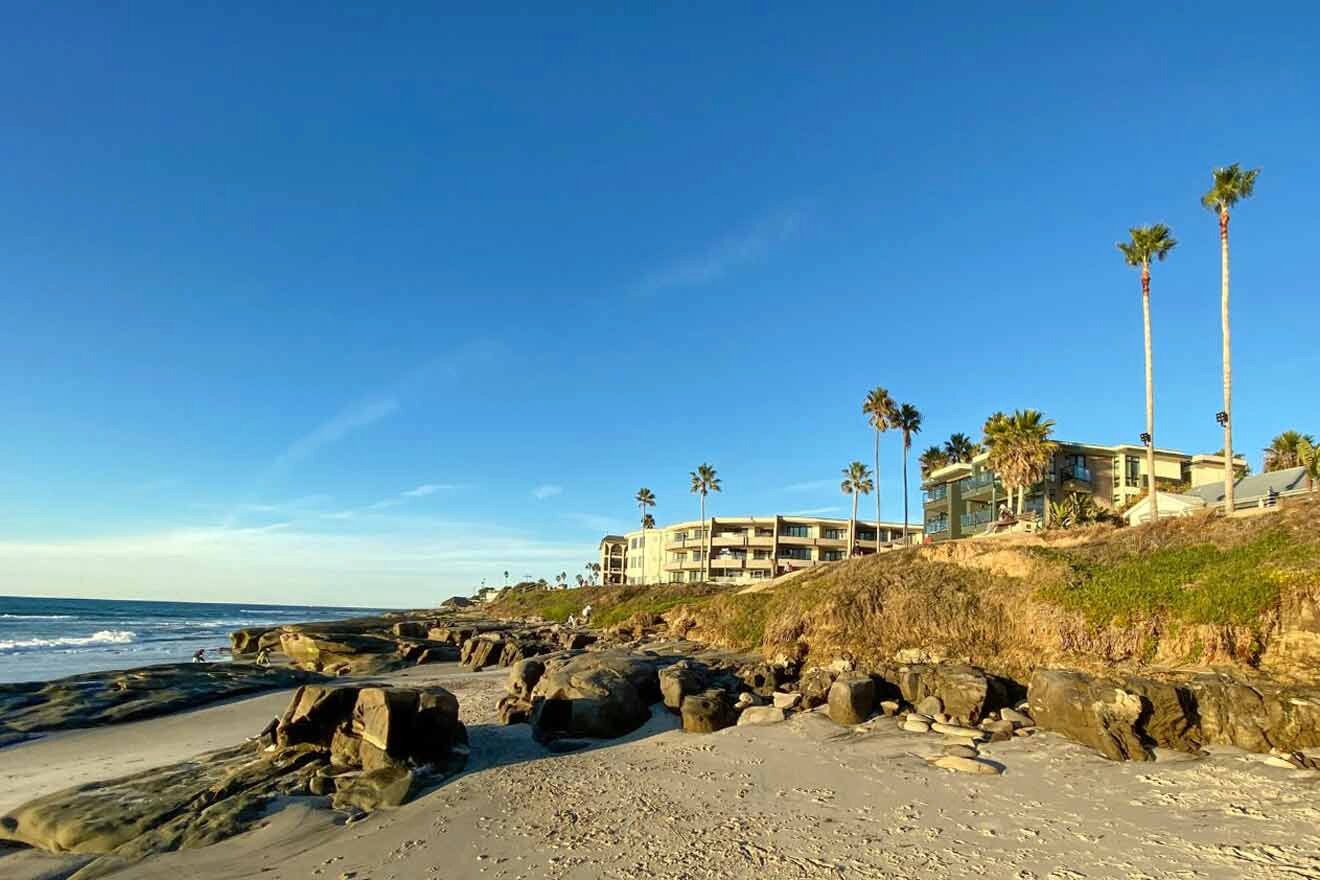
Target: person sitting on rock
(586, 615)
(200, 656)
(263, 657)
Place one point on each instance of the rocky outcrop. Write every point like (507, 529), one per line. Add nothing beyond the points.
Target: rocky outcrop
(341, 653)
(1126, 716)
(97, 698)
(708, 711)
(966, 693)
(367, 747)
(605, 694)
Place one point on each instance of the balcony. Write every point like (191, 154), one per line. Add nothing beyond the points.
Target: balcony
(795, 540)
(936, 493)
(976, 518)
(979, 483)
(726, 562)
(761, 541)
(729, 539)
(936, 526)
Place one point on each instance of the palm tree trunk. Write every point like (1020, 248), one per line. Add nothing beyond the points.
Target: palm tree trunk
(1229, 475)
(905, 491)
(877, 490)
(1150, 395)
(852, 527)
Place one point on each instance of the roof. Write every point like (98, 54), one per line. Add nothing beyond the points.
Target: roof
(1256, 486)
(613, 539)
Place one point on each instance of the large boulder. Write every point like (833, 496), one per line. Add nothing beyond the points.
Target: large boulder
(708, 711)
(482, 651)
(966, 693)
(593, 695)
(314, 714)
(340, 653)
(1095, 712)
(248, 641)
(852, 698)
(413, 629)
(679, 681)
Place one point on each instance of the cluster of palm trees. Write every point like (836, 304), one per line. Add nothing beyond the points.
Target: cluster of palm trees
(704, 481)
(958, 449)
(1021, 450)
(1291, 449)
(1146, 244)
(882, 414)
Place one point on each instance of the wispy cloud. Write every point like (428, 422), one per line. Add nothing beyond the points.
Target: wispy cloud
(739, 248)
(814, 511)
(811, 486)
(540, 493)
(347, 420)
(427, 489)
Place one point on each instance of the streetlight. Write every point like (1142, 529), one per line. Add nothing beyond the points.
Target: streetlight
(1222, 418)
(1145, 439)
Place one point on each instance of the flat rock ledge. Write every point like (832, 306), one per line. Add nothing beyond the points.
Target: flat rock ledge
(356, 749)
(96, 698)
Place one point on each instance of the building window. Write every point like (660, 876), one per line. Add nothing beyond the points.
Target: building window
(1132, 471)
(792, 530)
(696, 555)
(694, 576)
(762, 532)
(831, 555)
(760, 554)
(795, 552)
(834, 534)
(866, 535)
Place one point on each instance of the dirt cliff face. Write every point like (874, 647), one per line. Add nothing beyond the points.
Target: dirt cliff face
(1192, 593)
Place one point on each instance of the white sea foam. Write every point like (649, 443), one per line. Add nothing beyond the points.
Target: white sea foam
(35, 616)
(100, 637)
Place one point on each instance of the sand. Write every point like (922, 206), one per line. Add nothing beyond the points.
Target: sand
(802, 799)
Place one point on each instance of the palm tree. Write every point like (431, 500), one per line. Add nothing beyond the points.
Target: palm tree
(645, 498)
(878, 407)
(959, 447)
(932, 460)
(506, 577)
(704, 480)
(1284, 450)
(1308, 456)
(1231, 185)
(1020, 450)
(648, 522)
(908, 422)
(856, 481)
(1147, 243)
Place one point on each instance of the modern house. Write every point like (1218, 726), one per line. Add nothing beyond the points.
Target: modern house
(963, 498)
(1258, 490)
(742, 549)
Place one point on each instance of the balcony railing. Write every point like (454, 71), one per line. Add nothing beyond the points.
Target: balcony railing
(935, 526)
(937, 493)
(977, 481)
(976, 518)
(1076, 473)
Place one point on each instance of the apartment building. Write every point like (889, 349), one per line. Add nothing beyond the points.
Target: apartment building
(612, 558)
(743, 549)
(961, 499)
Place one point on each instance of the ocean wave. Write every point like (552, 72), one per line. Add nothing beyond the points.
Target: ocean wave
(100, 637)
(36, 616)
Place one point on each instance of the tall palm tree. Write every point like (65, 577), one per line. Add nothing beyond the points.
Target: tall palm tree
(879, 409)
(645, 498)
(908, 422)
(506, 577)
(1284, 450)
(1148, 243)
(959, 447)
(856, 481)
(648, 522)
(932, 460)
(1230, 185)
(704, 480)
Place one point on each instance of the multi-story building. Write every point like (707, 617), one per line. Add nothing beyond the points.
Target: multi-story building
(961, 499)
(612, 556)
(742, 549)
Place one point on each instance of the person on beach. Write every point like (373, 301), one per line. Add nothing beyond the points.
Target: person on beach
(263, 657)
(200, 656)
(586, 615)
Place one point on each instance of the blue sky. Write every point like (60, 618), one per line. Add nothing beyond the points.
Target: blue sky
(362, 307)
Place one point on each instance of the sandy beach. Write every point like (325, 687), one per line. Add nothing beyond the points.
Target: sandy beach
(806, 798)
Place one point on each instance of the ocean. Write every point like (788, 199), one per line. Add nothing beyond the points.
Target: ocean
(50, 638)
